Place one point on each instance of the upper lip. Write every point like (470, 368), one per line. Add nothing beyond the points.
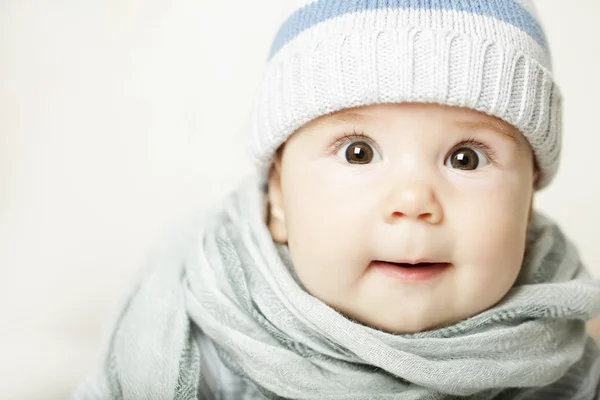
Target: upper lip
(416, 261)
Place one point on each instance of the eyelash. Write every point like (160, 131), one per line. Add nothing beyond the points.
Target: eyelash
(341, 140)
(479, 145)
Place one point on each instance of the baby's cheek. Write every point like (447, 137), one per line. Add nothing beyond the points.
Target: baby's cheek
(493, 261)
(490, 244)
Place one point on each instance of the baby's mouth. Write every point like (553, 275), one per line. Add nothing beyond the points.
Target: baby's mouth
(424, 264)
(411, 271)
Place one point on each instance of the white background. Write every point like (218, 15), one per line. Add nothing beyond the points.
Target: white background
(118, 116)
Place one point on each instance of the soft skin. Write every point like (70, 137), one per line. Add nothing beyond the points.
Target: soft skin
(404, 183)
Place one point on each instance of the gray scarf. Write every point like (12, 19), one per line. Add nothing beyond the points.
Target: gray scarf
(226, 280)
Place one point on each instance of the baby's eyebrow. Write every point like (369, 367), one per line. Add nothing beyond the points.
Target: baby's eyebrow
(350, 116)
(347, 116)
(496, 126)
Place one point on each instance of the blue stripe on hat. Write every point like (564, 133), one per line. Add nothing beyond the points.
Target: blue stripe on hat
(312, 14)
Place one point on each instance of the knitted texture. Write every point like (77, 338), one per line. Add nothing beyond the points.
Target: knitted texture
(491, 56)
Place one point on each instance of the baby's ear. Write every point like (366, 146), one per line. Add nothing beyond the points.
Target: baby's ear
(536, 177)
(276, 221)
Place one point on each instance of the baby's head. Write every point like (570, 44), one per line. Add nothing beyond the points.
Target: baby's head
(405, 183)
(404, 143)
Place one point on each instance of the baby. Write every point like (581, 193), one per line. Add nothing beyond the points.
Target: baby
(387, 247)
(405, 217)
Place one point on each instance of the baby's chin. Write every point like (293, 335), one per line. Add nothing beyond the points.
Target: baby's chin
(402, 328)
(406, 324)
(394, 329)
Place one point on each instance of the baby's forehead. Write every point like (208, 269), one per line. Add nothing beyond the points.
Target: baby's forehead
(457, 118)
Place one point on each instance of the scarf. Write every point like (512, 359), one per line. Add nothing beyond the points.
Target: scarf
(224, 280)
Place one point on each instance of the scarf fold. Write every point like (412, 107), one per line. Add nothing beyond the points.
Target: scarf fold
(238, 288)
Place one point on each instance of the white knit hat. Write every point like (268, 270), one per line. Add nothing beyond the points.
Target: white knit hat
(487, 55)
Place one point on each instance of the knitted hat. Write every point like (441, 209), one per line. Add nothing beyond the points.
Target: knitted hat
(487, 55)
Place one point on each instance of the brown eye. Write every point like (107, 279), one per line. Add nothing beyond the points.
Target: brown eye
(359, 152)
(466, 159)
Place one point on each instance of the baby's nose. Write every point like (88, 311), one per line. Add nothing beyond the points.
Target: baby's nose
(416, 200)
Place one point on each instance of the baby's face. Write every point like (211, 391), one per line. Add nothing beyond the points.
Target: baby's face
(362, 194)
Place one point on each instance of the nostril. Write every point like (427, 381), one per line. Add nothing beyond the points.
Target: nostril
(398, 214)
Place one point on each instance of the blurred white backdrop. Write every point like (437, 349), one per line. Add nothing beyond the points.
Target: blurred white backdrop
(118, 117)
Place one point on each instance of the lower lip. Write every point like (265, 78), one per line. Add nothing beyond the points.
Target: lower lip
(410, 274)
